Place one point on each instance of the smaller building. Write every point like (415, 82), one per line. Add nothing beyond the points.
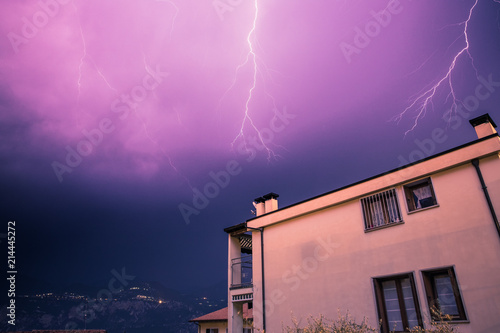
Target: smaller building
(216, 322)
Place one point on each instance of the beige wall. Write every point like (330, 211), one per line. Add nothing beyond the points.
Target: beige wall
(221, 325)
(324, 261)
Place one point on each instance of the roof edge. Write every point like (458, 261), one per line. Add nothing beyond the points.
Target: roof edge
(379, 175)
(235, 228)
(483, 119)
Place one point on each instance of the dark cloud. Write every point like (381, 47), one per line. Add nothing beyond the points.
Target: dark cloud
(150, 97)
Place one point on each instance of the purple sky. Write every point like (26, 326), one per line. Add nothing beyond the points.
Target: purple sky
(114, 114)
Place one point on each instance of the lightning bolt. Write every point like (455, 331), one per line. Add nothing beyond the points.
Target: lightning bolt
(104, 78)
(251, 54)
(148, 134)
(425, 99)
(82, 59)
(251, 61)
(175, 15)
(82, 62)
(150, 72)
(157, 144)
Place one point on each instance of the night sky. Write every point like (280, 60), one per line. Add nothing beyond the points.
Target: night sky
(116, 115)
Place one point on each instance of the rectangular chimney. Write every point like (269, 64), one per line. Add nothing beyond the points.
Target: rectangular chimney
(483, 125)
(266, 203)
(259, 206)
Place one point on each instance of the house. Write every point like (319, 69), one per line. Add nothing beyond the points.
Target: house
(389, 248)
(216, 322)
(65, 331)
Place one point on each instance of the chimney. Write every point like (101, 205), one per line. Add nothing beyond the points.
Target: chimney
(266, 204)
(259, 206)
(483, 125)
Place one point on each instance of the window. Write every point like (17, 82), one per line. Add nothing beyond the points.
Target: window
(247, 330)
(381, 209)
(443, 294)
(397, 303)
(212, 330)
(420, 194)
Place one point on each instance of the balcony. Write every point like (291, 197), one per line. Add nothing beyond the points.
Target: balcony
(241, 272)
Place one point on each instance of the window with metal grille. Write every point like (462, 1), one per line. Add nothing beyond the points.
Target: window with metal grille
(381, 209)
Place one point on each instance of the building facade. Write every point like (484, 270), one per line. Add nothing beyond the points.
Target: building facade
(216, 322)
(390, 248)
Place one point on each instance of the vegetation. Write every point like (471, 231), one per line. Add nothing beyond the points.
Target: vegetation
(441, 325)
(343, 324)
(347, 324)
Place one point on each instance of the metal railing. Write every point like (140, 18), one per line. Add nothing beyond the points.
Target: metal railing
(381, 209)
(241, 272)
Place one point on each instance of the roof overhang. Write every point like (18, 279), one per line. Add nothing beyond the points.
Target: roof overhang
(461, 155)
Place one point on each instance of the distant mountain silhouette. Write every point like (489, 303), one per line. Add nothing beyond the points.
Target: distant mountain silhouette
(140, 307)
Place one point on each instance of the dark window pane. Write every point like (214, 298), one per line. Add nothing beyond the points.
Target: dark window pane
(445, 295)
(411, 311)
(420, 194)
(397, 304)
(392, 305)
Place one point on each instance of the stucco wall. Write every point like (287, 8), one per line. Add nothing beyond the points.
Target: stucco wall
(324, 261)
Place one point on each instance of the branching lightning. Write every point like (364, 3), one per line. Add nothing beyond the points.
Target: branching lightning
(104, 78)
(252, 61)
(85, 54)
(147, 133)
(175, 15)
(85, 58)
(157, 144)
(251, 54)
(425, 99)
(82, 59)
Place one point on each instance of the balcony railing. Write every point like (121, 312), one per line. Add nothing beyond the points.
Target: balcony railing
(241, 272)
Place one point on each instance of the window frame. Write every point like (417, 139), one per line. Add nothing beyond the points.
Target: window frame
(431, 293)
(382, 197)
(407, 190)
(380, 301)
(212, 330)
